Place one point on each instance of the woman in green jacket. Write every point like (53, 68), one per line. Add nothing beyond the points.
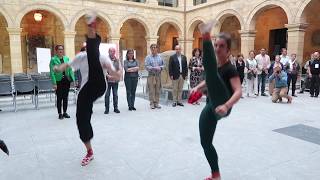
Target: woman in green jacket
(61, 80)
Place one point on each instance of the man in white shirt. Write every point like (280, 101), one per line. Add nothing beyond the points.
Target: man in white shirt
(264, 63)
(284, 57)
(93, 67)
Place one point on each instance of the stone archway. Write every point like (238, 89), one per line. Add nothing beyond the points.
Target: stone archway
(195, 35)
(312, 32)
(5, 62)
(133, 36)
(103, 29)
(168, 37)
(45, 33)
(269, 24)
(231, 25)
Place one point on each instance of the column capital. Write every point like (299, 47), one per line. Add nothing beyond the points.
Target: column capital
(69, 33)
(186, 40)
(14, 31)
(297, 27)
(153, 2)
(247, 33)
(148, 38)
(114, 37)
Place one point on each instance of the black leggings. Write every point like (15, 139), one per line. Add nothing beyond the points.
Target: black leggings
(91, 91)
(293, 78)
(218, 94)
(62, 93)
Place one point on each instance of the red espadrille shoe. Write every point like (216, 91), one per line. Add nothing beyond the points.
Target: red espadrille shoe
(214, 176)
(86, 160)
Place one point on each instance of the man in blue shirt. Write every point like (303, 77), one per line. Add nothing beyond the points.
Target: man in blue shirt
(154, 65)
(281, 86)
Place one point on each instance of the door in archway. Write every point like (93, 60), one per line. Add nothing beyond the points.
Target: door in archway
(277, 40)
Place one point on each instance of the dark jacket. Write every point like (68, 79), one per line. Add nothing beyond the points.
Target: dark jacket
(174, 67)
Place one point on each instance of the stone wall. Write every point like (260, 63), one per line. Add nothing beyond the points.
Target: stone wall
(66, 18)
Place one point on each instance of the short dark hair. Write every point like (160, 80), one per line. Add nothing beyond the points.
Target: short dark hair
(195, 50)
(83, 49)
(153, 45)
(252, 51)
(57, 47)
(128, 51)
(240, 55)
(282, 49)
(226, 37)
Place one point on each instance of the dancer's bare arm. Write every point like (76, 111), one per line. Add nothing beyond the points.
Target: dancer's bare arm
(112, 71)
(200, 87)
(60, 68)
(237, 93)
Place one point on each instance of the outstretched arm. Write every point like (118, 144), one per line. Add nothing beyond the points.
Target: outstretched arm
(112, 71)
(237, 93)
(60, 68)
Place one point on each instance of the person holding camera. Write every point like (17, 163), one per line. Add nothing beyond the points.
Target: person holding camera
(281, 85)
(275, 63)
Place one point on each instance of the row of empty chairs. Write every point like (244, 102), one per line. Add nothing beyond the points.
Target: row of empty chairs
(25, 84)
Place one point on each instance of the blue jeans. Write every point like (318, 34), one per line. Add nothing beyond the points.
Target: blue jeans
(114, 87)
(262, 82)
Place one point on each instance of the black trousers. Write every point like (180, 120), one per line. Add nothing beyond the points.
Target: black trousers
(91, 91)
(315, 83)
(293, 78)
(131, 86)
(62, 93)
(114, 86)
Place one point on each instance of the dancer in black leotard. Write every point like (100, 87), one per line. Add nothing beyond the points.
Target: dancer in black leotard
(93, 67)
(224, 90)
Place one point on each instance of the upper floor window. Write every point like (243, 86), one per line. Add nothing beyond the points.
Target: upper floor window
(197, 2)
(170, 3)
(142, 1)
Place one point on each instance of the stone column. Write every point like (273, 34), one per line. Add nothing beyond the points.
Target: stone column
(152, 2)
(296, 39)
(247, 42)
(115, 39)
(187, 51)
(151, 40)
(69, 47)
(181, 42)
(15, 49)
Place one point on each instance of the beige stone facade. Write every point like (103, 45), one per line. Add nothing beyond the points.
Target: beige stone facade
(252, 24)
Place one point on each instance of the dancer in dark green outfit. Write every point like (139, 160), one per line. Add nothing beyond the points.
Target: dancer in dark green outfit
(223, 91)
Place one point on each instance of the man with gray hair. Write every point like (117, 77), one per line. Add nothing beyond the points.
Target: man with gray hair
(314, 74)
(178, 72)
(113, 83)
(154, 65)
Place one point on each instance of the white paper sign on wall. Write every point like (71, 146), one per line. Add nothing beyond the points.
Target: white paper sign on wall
(43, 59)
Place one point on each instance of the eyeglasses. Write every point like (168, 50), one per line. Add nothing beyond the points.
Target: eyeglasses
(60, 49)
(154, 47)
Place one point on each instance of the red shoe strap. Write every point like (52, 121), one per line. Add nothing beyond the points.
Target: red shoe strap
(215, 174)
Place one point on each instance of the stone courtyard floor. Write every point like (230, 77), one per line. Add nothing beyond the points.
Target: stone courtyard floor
(258, 141)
